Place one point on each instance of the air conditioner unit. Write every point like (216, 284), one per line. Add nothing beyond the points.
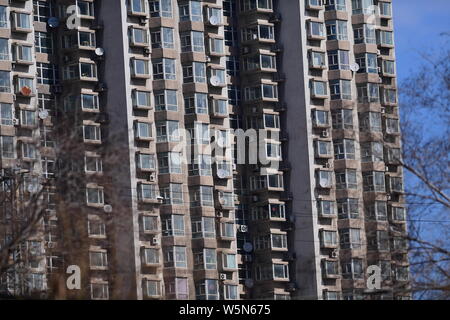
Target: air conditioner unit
(15, 121)
(155, 241)
(234, 166)
(223, 276)
(219, 214)
(50, 245)
(327, 165)
(147, 51)
(383, 110)
(334, 254)
(243, 228)
(386, 169)
(152, 177)
(143, 20)
(325, 134)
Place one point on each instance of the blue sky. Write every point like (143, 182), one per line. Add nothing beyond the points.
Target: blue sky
(418, 24)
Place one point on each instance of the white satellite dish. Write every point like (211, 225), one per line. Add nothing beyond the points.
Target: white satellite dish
(43, 114)
(248, 247)
(215, 81)
(99, 52)
(214, 20)
(107, 208)
(354, 67)
(222, 174)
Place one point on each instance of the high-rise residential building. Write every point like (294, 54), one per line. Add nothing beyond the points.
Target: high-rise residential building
(116, 113)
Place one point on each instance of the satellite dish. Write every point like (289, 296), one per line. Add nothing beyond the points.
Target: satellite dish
(26, 91)
(99, 52)
(43, 114)
(354, 67)
(248, 247)
(53, 22)
(222, 174)
(32, 187)
(214, 20)
(107, 208)
(249, 283)
(215, 81)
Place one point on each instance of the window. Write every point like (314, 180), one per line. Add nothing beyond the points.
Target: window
(367, 63)
(317, 59)
(330, 267)
(191, 11)
(353, 269)
(207, 289)
(48, 167)
(219, 107)
(7, 147)
(229, 261)
(337, 30)
(216, 46)
(348, 208)
(346, 179)
(385, 8)
(93, 164)
(401, 273)
(378, 240)
(146, 191)
(395, 184)
(217, 77)
(192, 41)
(3, 17)
(94, 195)
(372, 152)
(21, 20)
(164, 69)
(316, 29)
(338, 60)
(323, 148)
(374, 181)
(363, 7)
(89, 101)
(368, 93)
(47, 137)
(350, 238)
(150, 223)
(166, 100)
(324, 178)
(392, 126)
(338, 5)
(180, 288)
(91, 132)
(200, 166)
(205, 259)
(99, 291)
(137, 6)
(169, 162)
(230, 292)
(6, 114)
(173, 194)
(398, 213)
(364, 33)
(231, 36)
(377, 211)
(197, 104)
(344, 149)
(204, 228)
(389, 96)
(138, 36)
(167, 131)
(85, 8)
(4, 49)
(81, 70)
(370, 121)
(248, 5)
(199, 133)
(143, 130)
(202, 196)
(139, 67)
(326, 207)
(273, 150)
(161, 8)
(173, 226)
(318, 88)
(98, 259)
(176, 257)
(153, 288)
(96, 228)
(280, 271)
(151, 256)
(196, 72)
(279, 241)
(340, 89)
(163, 38)
(320, 118)
(227, 230)
(5, 81)
(328, 238)
(146, 161)
(386, 38)
(43, 42)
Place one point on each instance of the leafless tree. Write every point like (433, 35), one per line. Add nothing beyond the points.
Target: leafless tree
(424, 107)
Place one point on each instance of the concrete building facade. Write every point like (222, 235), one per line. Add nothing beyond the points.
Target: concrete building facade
(124, 112)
